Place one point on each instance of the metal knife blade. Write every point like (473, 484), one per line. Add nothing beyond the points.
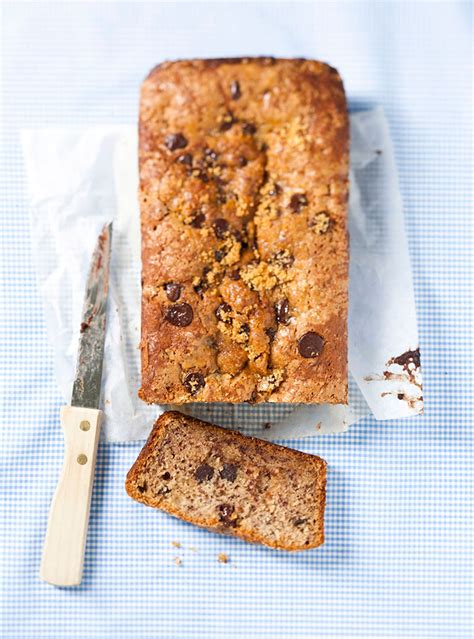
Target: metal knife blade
(86, 388)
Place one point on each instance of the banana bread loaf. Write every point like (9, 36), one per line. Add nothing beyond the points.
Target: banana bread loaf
(243, 189)
(228, 483)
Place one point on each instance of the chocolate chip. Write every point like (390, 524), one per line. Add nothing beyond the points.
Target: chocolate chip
(219, 255)
(310, 345)
(173, 291)
(275, 190)
(200, 288)
(225, 515)
(166, 476)
(271, 332)
(175, 141)
(198, 220)
(298, 200)
(234, 275)
(299, 522)
(400, 396)
(193, 382)
(201, 175)
(235, 90)
(179, 314)
(203, 473)
(210, 155)
(248, 128)
(245, 328)
(227, 121)
(243, 161)
(222, 312)
(237, 234)
(186, 159)
(220, 182)
(221, 197)
(283, 258)
(282, 311)
(253, 397)
(228, 472)
(142, 487)
(408, 360)
(203, 284)
(221, 228)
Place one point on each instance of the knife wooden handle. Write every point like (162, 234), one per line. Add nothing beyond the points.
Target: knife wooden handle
(65, 542)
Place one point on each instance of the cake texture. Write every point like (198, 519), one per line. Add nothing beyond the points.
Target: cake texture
(232, 484)
(243, 195)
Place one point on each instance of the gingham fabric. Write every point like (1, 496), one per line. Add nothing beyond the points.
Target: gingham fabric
(398, 555)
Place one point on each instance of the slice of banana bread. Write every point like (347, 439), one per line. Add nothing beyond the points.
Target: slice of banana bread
(229, 483)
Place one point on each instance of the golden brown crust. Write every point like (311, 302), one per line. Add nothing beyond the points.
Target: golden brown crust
(243, 189)
(276, 497)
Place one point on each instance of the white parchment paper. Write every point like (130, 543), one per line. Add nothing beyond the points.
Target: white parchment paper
(81, 178)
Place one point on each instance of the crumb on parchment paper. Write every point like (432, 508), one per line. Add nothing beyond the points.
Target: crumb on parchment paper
(176, 544)
(178, 561)
(222, 558)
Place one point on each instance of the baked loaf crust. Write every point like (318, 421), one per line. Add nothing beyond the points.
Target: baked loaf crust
(243, 190)
(228, 483)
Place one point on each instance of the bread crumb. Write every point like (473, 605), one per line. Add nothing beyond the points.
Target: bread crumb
(270, 382)
(178, 561)
(262, 276)
(233, 252)
(192, 549)
(320, 223)
(259, 276)
(176, 544)
(267, 425)
(236, 330)
(222, 558)
(318, 426)
(267, 206)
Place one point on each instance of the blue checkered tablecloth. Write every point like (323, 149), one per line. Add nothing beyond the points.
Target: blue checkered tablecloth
(398, 557)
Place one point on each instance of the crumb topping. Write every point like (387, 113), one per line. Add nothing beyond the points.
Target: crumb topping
(320, 223)
(270, 382)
